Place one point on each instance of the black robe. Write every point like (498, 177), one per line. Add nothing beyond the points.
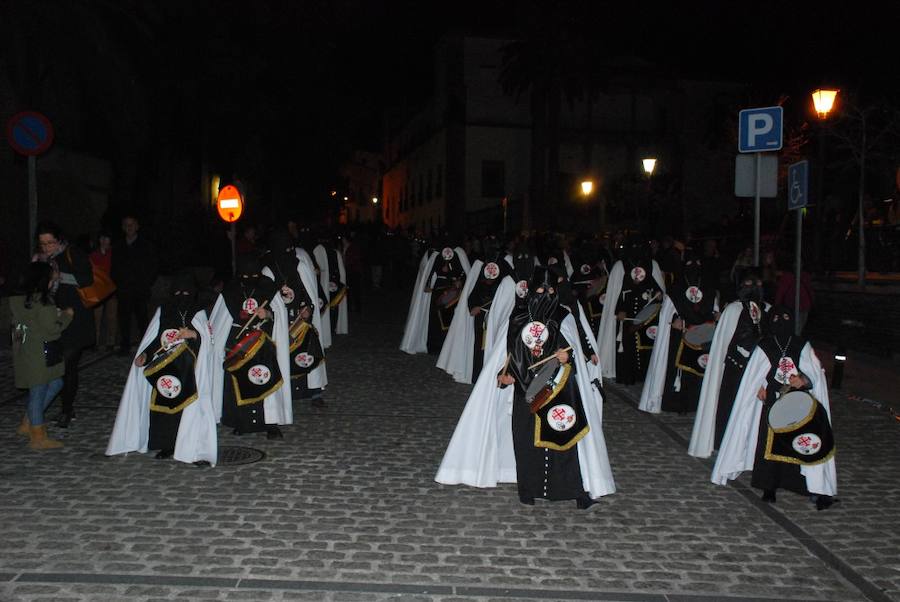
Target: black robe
(247, 418)
(747, 334)
(449, 275)
(637, 339)
(540, 472)
(770, 474)
(686, 364)
(163, 425)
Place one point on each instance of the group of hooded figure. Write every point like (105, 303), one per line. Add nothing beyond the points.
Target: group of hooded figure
(536, 335)
(260, 347)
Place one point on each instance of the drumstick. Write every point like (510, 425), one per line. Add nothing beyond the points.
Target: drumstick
(506, 363)
(251, 319)
(546, 359)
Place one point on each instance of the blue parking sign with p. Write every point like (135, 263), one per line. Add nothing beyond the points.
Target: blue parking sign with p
(759, 130)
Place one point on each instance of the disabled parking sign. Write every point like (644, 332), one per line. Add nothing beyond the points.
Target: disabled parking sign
(759, 130)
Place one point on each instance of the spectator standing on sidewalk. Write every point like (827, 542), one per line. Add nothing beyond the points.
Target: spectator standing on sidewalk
(786, 292)
(37, 354)
(134, 266)
(74, 271)
(105, 320)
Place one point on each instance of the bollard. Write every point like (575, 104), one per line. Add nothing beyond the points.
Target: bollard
(837, 375)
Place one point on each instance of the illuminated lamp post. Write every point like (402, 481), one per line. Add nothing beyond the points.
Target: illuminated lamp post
(649, 166)
(823, 102)
(230, 205)
(587, 187)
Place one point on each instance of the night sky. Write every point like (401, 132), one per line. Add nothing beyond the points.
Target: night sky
(292, 87)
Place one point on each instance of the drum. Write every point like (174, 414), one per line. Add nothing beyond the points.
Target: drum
(171, 375)
(648, 314)
(547, 384)
(448, 298)
(236, 355)
(799, 431)
(306, 353)
(297, 332)
(252, 366)
(700, 336)
(338, 294)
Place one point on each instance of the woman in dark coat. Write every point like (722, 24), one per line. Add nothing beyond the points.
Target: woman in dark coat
(75, 271)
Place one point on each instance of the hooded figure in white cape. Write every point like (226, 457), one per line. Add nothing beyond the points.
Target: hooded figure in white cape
(677, 368)
(745, 445)
(333, 278)
(738, 331)
(458, 355)
(317, 378)
(276, 405)
(612, 330)
(481, 451)
(415, 333)
(196, 432)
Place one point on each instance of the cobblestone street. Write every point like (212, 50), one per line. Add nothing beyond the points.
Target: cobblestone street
(345, 507)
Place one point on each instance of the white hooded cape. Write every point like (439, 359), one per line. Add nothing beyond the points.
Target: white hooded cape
(655, 383)
(610, 330)
(704, 431)
(196, 440)
(480, 453)
(457, 351)
(498, 316)
(738, 450)
(415, 333)
(327, 327)
(277, 406)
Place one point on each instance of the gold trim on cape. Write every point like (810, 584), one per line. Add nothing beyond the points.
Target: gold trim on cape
(152, 370)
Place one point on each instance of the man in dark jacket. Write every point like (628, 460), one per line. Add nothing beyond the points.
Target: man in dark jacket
(134, 268)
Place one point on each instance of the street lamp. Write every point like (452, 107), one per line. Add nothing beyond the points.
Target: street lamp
(587, 187)
(649, 165)
(374, 200)
(823, 100)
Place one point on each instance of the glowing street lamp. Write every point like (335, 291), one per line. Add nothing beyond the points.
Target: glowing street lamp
(587, 187)
(374, 200)
(649, 165)
(823, 100)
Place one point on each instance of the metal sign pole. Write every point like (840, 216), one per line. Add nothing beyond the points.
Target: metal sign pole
(233, 247)
(756, 209)
(32, 202)
(797, 270)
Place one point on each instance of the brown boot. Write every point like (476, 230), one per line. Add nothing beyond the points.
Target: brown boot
(24, 427)
(39, 439)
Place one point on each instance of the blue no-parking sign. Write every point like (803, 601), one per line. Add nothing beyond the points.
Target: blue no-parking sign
(29, 133)
(759, 130)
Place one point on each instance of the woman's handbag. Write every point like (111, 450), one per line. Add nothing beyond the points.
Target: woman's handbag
(102, 287)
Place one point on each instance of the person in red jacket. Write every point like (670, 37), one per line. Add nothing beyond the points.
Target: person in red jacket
(785, 294)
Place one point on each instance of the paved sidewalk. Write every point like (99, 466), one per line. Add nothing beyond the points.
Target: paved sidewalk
(346, 508)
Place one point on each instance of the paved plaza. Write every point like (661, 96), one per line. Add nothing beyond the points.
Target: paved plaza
(345, 506)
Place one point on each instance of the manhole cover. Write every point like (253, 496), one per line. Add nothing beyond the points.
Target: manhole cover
(233, 455)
